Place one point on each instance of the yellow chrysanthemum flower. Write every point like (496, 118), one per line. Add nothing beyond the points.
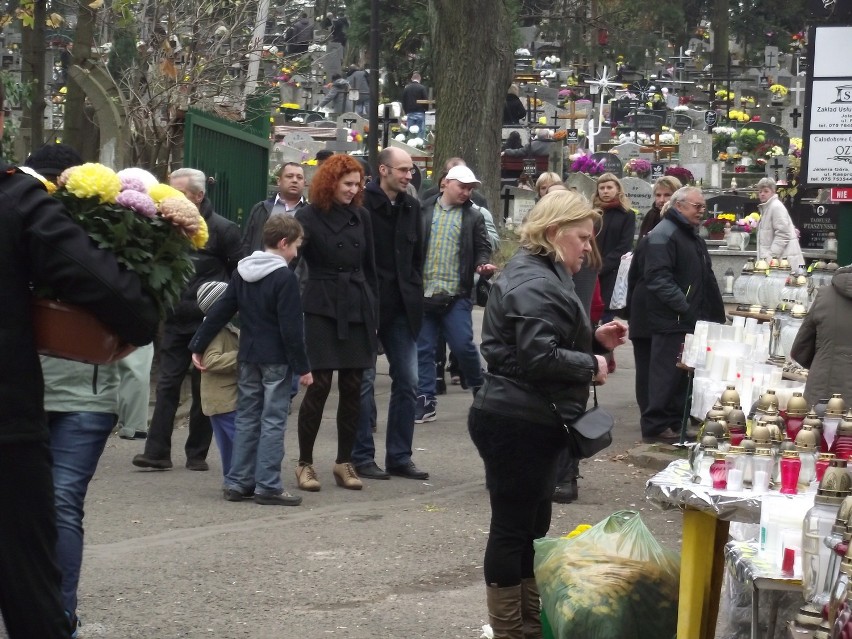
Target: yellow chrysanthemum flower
(94, 180)
(199, 240)
(160, 192)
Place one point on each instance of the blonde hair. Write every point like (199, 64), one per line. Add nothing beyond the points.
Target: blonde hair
(563, 209)
(668, 182)
(513, 89)
(548, 178)
(622, 198)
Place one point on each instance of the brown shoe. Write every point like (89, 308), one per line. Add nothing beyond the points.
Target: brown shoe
(668, 436)
(307, 478)
(345, 475)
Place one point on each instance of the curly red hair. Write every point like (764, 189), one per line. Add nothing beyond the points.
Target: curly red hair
(324, 183)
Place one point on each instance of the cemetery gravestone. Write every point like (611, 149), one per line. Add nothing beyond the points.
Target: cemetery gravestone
(792, 119)
(776, 167)
(611, 163)
(351, 120)
(737, 204)
(639, 192)
(681, 122)
(696, 154)
(341, 142)
(583, 184)
(627, 151)
(775, 135)
(518, 203)
(814, 222)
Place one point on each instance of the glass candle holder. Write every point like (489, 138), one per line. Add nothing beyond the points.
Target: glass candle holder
(791, 465)
(823, 461)
(719, 471)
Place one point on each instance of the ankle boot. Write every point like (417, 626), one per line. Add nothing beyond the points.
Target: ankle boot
(307, 478)
(565, 492)
(531, 609)
(345, 475)
(504, 612)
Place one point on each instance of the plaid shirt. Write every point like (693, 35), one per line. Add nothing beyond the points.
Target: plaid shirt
(441, 271)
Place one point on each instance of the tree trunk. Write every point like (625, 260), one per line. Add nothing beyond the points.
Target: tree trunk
(33, 58)
(75, 119)
(721, 20)
(472, 44)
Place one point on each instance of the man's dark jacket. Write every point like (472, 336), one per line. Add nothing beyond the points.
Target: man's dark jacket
(398, 235)
(673, 285)
(42, 246)
(213, 263)
(253, 234)
(413, 92)
(474, 244)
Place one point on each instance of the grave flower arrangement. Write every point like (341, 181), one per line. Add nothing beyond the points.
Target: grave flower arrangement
(748, 224)
(586, 164)
(151, 228)
(639, 166)
(683, 174)
(778, 90)
(735, 115)
(716, 224)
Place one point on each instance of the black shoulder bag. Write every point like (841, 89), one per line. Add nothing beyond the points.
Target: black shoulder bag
(592, 432)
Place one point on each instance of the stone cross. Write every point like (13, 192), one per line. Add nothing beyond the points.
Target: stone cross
(695, 141)
(797, 90)
(341, 142)
(795, 115)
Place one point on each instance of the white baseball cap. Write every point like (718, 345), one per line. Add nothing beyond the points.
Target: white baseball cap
(463, 174)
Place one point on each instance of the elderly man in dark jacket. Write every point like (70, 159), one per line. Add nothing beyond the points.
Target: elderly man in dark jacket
(213, 263)
(672, 286)
(397, 227)
(40, 245)
(457, 246)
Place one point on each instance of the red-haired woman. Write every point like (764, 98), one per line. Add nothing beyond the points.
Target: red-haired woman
(341, 310)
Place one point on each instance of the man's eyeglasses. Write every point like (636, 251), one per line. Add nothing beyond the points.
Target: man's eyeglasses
(698, 207)
(401, 169)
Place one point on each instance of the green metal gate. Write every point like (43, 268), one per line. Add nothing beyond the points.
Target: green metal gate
(234, 155)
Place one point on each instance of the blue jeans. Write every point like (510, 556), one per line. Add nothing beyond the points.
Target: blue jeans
(418, 118)
(457, 324)
(223, 430)
(263, 400)
(76, 443)
(401, 351)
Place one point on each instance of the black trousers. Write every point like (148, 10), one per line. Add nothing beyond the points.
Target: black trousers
(515, 524)
(29, 575)
(666, 385)
(175, 359)
(642, 362)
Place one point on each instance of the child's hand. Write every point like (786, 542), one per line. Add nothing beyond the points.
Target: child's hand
(306, 380)
(198, 360)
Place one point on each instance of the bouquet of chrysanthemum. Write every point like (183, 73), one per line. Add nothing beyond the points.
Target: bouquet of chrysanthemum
(151, 228)
(586, 164)
(683, 174)
(639, 166)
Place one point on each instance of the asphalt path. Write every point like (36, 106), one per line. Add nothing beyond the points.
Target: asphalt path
(166, 556)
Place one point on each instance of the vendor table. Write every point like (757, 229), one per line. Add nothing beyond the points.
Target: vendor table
(707, 514)
(742, 559)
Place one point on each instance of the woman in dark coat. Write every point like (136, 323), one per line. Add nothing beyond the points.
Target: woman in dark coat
(538, 343)
(513, 110)
(341, 310)
(616, 234)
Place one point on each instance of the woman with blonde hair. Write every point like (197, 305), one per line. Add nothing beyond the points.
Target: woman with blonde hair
(540, 350)
(616, 234)
(664, 188)
(545, 181)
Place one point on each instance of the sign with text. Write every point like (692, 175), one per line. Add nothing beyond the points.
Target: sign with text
(827, 153)
(572, 136)
(841, 195)
(815, 222)
(611, 163)
(658, 170)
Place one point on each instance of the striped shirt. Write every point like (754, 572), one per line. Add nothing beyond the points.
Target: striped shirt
(441, 270)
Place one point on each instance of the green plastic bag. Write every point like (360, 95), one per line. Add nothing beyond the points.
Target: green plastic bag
(612, 582)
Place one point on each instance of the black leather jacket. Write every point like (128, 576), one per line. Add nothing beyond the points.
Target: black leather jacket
(538, 343)
(41, 245)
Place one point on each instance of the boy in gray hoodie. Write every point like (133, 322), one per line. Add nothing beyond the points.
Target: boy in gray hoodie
(272, 350)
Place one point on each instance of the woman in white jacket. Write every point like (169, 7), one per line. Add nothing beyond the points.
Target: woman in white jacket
(776, 234)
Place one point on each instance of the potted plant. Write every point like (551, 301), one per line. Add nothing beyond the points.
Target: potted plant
(638, 167)
(683, 174)
(779, 92)
(583, 163)
(716, 225)
(151, 228)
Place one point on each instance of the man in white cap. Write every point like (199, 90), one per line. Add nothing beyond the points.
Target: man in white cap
(457, 246)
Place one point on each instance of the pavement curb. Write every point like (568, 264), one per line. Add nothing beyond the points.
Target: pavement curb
(655, 456)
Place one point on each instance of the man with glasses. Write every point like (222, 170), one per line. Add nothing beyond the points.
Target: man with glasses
(672, 286)
(398, 227)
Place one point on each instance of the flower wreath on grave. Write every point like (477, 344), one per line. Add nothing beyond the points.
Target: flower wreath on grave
(683, 174)
(151, 228)
(639, 166)
(717, 224)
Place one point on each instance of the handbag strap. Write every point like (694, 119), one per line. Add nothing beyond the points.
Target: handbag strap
(595, 394)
